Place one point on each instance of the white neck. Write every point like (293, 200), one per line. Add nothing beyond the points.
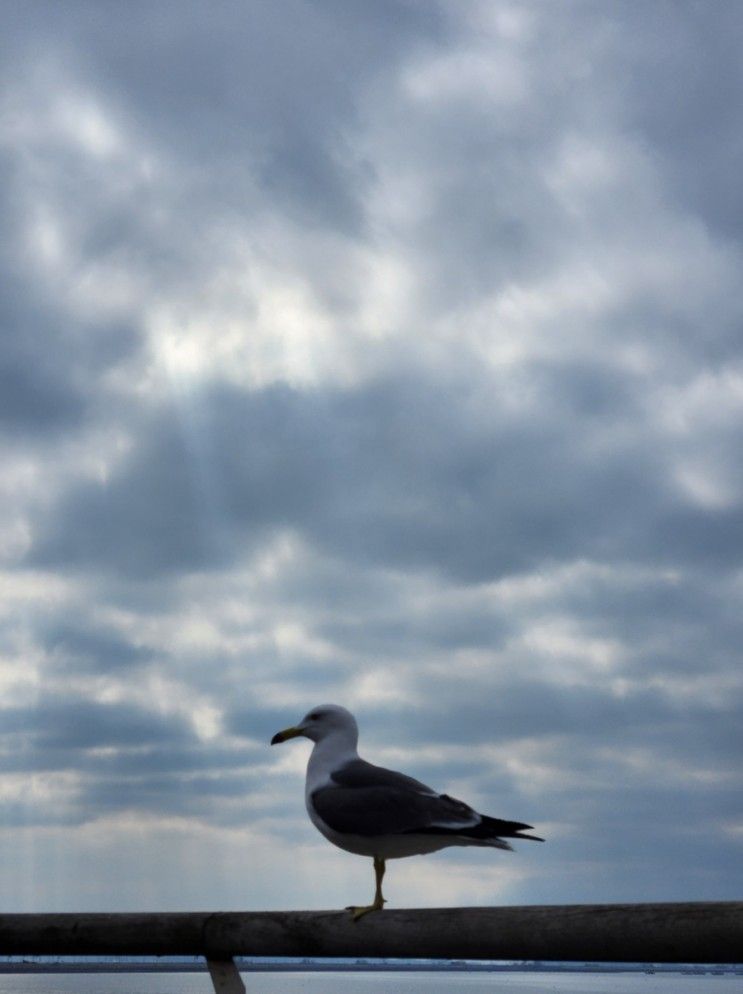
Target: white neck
(327, 755)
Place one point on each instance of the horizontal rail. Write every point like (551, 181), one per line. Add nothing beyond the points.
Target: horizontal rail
(706, 932)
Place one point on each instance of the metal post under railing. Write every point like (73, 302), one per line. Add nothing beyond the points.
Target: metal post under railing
(225, 976)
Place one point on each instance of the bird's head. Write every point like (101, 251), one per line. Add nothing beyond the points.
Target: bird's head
(319, 723)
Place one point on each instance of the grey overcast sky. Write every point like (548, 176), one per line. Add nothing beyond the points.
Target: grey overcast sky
(386, 354)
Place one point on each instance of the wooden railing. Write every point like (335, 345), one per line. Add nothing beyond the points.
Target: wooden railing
(707, 932)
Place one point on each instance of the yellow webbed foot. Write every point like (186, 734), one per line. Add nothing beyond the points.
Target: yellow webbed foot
(358, 912)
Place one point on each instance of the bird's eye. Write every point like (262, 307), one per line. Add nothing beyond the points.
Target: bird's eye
(314, 717)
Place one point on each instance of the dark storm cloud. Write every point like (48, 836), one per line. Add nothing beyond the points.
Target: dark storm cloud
(37, 392)
(51, 359)
(224, 798)
(588, 718)
(236, 94)
(25, 752)
(441, 628)
(61, 219)
(691, 116)
(402, 472)
(123, 758)
(75, 724)
(74, 646)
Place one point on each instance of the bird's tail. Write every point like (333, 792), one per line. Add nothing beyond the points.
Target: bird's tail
(495, 831)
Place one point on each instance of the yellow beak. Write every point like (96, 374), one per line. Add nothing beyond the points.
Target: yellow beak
(288, 733)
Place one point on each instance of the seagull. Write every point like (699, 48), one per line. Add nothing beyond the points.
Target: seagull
(375, 812)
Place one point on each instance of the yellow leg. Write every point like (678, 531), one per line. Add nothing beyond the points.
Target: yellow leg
(379, 902)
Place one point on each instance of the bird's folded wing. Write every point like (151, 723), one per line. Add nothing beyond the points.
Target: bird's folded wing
(389, 810)
(358, 773)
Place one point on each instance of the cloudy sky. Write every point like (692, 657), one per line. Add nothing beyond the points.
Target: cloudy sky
(379, 353)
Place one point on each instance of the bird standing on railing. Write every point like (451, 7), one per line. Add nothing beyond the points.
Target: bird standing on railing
(371, 811)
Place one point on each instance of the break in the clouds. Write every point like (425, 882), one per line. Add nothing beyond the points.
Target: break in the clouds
(383, 354)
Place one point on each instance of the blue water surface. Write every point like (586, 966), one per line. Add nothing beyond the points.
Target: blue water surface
(375, 983)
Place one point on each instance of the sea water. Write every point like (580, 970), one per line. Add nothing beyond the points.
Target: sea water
(376, 983)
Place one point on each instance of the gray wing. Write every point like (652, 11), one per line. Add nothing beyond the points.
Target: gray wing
(359, 773)
(369, 800)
